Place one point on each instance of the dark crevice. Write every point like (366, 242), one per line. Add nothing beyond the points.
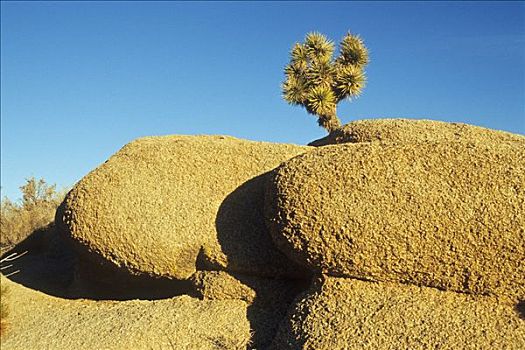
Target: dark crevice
(520, 308)
(266, 313)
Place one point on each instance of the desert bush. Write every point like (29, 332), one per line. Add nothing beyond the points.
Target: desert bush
(35, 210)
(318, 82)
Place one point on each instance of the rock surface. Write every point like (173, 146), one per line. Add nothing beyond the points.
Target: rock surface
(220, 285)
(160, 202)
(413, 130)
(447, 215)
(39, 321)
(340, 313)
(404, 206)
(268, 299)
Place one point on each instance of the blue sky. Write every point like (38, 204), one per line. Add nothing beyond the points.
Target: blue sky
(81, 79)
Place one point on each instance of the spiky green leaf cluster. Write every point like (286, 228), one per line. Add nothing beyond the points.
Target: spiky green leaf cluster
(317, 81)
(353, 51)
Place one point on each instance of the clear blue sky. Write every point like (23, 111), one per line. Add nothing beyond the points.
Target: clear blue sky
(81, 79)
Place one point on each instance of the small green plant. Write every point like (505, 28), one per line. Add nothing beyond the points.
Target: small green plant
(318, 82)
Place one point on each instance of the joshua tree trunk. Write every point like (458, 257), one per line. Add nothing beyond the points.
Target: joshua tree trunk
(329, 122)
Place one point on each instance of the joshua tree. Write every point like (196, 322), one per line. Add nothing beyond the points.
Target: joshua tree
(317, 82)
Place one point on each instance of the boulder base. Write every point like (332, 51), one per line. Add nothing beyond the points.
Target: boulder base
(340, 313)
(38, 321)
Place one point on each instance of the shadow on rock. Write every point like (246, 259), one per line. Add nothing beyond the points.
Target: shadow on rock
(52, 267)
(270, 307)
(267, 299)
(253, 258)
(520, 308)
(244, 238)
(44, 263)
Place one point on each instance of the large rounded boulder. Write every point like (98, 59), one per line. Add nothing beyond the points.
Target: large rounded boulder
(341, 313)
(162, 205)
(399, 130)
(445, 215)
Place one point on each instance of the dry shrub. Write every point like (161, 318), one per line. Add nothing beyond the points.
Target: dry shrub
(35, 210)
